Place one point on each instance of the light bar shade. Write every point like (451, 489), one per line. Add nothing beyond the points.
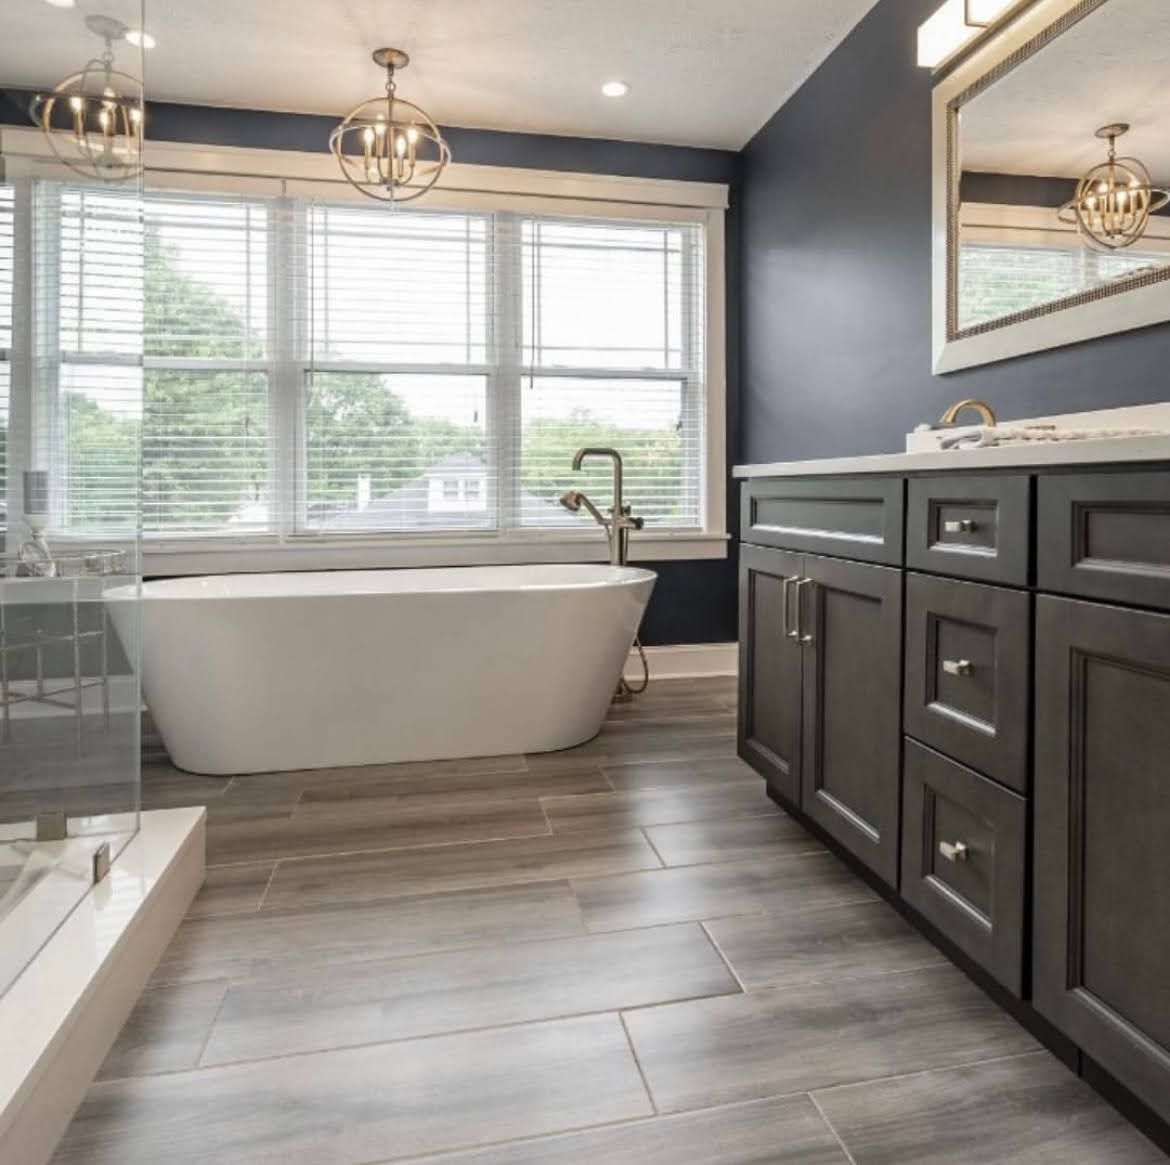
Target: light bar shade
(954, 26)
(943, 34)
(985, 12)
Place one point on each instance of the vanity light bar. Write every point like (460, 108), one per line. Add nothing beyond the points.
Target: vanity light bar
(954, 26)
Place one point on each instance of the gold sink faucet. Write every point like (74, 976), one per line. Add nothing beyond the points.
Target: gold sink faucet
(981, 407)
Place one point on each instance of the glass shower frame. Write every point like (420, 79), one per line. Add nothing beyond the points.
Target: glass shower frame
(70, 696)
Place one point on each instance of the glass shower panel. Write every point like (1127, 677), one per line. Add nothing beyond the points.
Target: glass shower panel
(71, 322)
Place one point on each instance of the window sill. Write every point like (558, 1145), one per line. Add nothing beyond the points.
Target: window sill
(227, 556)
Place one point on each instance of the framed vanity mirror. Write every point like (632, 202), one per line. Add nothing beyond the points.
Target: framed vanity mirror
(1039, 240)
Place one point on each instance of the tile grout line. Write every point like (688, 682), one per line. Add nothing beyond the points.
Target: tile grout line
(267, 887)
(726, 961)
(642, 829)
(895, 1076)
(210, 1029)
(829, 1125)
(638, 1063)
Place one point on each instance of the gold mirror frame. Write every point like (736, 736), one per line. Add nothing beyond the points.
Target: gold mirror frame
(1134, 302)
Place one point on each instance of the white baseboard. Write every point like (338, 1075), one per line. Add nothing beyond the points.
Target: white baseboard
(686, 661)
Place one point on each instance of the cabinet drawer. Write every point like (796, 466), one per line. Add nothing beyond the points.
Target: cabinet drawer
(968, 650)
(972, 527)
(963, 855)
(857, 518)
(1105, 536)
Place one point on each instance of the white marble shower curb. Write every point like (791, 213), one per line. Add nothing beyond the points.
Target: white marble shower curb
(62, 1014)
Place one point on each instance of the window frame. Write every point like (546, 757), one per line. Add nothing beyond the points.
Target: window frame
(284, 177)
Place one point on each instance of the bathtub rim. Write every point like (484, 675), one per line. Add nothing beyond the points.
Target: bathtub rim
(594, 576)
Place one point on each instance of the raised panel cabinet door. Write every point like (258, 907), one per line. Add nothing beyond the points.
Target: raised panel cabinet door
(1101, 919)
(770, 667)
(851, 621)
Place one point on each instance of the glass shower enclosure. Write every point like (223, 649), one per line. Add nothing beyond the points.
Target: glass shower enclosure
(71, 323)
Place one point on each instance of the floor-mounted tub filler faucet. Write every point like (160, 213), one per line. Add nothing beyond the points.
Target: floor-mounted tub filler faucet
(621, 519)
(617, 527)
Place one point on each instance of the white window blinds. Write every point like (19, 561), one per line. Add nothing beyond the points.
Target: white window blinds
(396, 393)
(318, 370)
(206, 458)
(613, 355)
(88, 305)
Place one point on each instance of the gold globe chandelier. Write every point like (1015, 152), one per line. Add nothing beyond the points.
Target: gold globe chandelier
(92, 120)
(1114, 200)
(389, 148)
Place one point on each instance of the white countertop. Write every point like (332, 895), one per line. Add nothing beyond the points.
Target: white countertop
(1113, 449)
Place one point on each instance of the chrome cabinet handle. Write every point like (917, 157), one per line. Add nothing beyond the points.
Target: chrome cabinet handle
(962, 526)
(786, 623)
(805, 636)
(953, 851)
(958, 667)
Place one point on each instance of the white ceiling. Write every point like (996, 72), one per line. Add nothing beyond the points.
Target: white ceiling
(701, 72)
(1040, 119)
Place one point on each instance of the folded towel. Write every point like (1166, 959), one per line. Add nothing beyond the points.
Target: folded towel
(986, 436)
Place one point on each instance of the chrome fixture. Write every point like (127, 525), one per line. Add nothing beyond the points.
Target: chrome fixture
(621, 518)
(981, 407)
(1114, 200)
(617, 529)
(958, 667)
(93, 119)
(954, 851)
(797, 631)
(955, 26)
(387, 147)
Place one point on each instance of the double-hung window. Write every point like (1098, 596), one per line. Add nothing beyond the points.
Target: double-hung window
(206, 455)
(317, 374)
(396, 396)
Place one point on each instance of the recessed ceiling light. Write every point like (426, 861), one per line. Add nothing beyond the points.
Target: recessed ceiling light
(140, 39)
(61, 3)
(615, 88)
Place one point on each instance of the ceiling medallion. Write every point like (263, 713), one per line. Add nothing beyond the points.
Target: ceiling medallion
(93, 119)
(389, 148)
(1114, 200)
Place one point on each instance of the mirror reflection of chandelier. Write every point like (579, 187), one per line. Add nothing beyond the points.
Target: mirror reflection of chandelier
(1114, 200)
(92, 120)
(389, 148)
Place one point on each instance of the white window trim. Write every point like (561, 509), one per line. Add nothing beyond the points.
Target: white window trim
(231, 170)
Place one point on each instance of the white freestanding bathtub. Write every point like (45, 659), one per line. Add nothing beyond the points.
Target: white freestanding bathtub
(264, 672)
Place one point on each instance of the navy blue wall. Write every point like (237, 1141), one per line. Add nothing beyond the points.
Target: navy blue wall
(836, 287)
(694, 602)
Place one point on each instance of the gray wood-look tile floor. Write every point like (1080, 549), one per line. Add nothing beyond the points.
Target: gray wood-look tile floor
(624, 953)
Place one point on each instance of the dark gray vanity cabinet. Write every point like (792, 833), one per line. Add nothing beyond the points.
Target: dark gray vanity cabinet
(820, 660)
(1101, 902)
(851, 636)
(770, 664)
(964, 681)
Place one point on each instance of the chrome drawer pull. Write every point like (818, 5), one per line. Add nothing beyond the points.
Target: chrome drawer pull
(958, 667)
(786, 623)
(962, 526)
(953, 851)
(805, 636)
